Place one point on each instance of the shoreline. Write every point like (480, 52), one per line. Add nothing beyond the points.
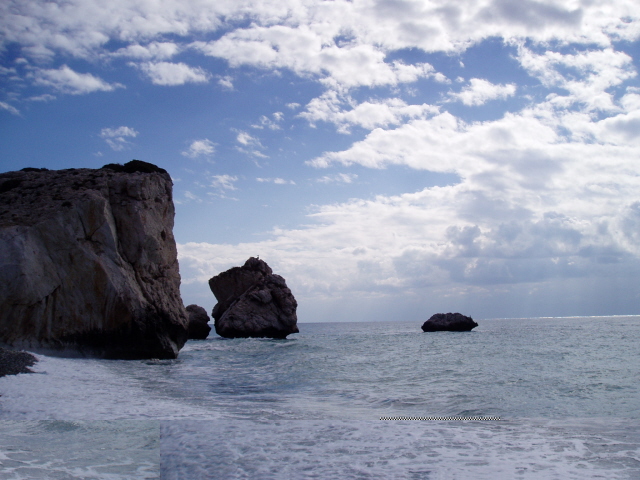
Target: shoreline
(13, 362)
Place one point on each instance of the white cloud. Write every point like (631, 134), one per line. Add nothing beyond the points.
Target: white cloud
(7, 71)
(447, 240)
(306, 53)
(587, 76)
(151, 51)
(342, 44)
(116, 138)
(338, 178)
(66, 80)
(481, 91)
(546, 194)
(80, 27)
(621, 129)
(277, 181)
(307, 29)
(171, 74)
(9, 108)
(224, 182)
(245, 139)
(270, 123)
(627, 228)
(305, 40)
(533, 207)
(421, 144)
(226, 82)
(252, 152)
(204, 147)
(42, 98)
(118, 132)
(191, 197)
(533, 15)
(249, 145)
(330, 107)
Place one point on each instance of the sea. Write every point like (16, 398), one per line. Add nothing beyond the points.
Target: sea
(539, 398)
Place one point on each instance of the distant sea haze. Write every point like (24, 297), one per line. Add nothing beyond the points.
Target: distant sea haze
(522, 398)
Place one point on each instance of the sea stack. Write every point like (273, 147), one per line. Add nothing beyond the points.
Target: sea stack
(452, 322)
(198, 322)
(88, 262)
(253, 302)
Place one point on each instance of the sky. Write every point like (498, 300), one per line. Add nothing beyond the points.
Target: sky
(391, 159)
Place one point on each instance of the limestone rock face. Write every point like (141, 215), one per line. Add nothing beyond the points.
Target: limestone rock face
(454, 322)
(253, 302)
(198, 322)
(88, 262)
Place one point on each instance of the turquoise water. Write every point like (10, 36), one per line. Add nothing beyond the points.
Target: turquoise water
(566, 392)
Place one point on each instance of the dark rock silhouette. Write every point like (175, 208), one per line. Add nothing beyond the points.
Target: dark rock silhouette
(13, 363)
(88, 262)
(454, 322)
(198, 323)
(253, 302)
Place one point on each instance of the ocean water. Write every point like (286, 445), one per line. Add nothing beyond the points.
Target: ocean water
(553, 398)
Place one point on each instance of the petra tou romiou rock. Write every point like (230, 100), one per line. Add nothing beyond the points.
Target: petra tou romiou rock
(253, 302)
(453, 322)
(198, 322)
(88, 262)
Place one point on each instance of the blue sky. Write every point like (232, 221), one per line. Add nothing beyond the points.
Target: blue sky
(391, 158)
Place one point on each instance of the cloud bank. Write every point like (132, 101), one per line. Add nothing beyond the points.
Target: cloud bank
(548, 190)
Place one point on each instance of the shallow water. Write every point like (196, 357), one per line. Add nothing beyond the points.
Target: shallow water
(565, 390)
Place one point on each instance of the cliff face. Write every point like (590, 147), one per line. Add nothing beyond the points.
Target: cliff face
(88, 262)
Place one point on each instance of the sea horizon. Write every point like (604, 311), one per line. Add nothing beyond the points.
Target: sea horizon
(475, 318)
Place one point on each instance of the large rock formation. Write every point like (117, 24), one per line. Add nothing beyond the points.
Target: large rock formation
(88, 262)
(453, 322)
(198, 322)
(253, 302)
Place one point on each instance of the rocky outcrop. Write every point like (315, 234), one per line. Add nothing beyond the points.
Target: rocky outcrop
(253, 302)
(453, 322)
(88, 262)
(198, 323)
(13, 363)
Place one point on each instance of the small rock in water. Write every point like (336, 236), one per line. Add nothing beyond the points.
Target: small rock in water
(253, 302)
(453, 322)
(13, 363)
(198, 322)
